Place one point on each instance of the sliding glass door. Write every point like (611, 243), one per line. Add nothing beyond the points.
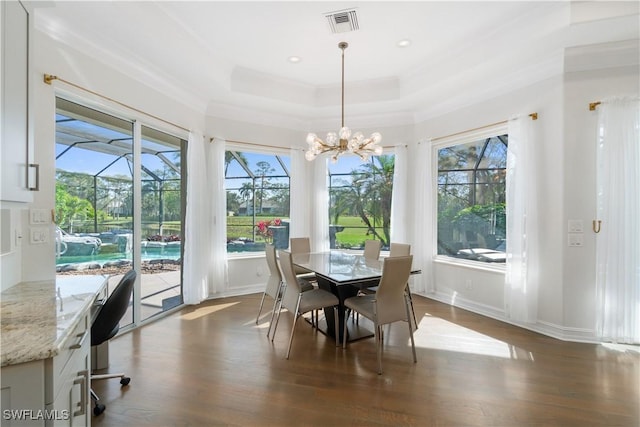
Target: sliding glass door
(161, 214)
(120, 204)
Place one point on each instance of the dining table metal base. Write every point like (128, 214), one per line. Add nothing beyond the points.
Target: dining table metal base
(355, 331)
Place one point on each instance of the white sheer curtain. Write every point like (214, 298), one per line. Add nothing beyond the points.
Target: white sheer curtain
(320, 206)
(423, 245)
(399, 221)
(522, 265)
(217, 198)
(618, 206)
(197, 244)
(299, 191)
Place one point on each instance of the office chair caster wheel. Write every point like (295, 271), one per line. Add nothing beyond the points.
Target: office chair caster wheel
(125, 380)
(98, 409)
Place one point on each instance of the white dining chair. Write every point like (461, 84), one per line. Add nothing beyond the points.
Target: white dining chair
(274, 284)
(298, 302)
(372, 249)
(388, 304)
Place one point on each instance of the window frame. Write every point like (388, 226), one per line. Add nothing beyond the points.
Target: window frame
(260, 150)
(449, 141)
(336, 175)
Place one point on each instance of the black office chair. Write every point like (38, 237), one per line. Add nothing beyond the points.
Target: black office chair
(107, 324)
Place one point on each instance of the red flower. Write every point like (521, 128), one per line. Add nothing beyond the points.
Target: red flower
(263, 227)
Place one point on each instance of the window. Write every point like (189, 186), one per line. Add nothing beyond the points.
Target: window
(257, 187)
(471, 199)
(360, 201)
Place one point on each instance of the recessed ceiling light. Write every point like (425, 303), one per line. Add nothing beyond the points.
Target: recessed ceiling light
(294, 59)
(404, 43)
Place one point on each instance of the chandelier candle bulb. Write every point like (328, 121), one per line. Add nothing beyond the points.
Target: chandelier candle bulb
(343, 141)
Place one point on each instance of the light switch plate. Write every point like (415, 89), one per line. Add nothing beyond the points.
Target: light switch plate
(576, 226)
(38, 216)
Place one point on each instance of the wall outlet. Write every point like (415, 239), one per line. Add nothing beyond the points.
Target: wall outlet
(39, 235)
(575, 239)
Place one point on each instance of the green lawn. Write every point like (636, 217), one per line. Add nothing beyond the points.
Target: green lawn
(354, 233)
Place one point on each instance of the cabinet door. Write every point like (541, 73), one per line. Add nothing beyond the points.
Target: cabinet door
(22, 394)
(18, 172)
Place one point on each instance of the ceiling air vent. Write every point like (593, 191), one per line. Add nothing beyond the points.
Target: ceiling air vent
(342, 21)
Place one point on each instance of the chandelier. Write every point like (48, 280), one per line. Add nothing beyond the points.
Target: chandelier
(343, 141)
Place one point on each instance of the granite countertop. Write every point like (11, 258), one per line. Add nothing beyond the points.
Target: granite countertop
(37, 317)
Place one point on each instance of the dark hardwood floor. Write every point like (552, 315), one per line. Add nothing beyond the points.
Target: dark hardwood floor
(212, 365)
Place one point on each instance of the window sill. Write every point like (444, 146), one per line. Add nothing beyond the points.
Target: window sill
(245, 255)
(474, 265)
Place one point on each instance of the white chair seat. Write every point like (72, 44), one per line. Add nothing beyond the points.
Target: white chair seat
(316, 299)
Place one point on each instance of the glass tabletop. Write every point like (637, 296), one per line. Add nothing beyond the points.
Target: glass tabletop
(340, 267)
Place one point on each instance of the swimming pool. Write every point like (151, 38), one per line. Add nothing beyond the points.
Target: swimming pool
(171, 252)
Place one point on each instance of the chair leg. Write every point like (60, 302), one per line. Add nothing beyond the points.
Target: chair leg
(413, 344)
(293, 329)
(273, 314)
(260, 309)
(337, 327)
(277, 321)
(415, 320)
(344, 331)
(378, 339)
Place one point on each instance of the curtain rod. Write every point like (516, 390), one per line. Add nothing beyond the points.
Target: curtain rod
(48, 79)
(534, 116)
(593, 105)
(252, 143)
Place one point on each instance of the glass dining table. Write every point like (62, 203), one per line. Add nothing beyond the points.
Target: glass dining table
(342, 274)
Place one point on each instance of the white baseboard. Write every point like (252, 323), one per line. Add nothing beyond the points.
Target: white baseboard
(545, 328)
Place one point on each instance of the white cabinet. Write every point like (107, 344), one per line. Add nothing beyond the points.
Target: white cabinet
(53, 391)
(20, 175)
(67, 379)
(22, 393)
(46, 351)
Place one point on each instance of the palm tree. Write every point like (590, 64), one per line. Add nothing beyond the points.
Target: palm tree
(370, 195)
(264, 168)
(246, 192)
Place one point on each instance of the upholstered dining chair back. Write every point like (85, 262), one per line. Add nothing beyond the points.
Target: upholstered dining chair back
(292, 287)
(299, 245)
(399, 249)
(274, 283)
(372, 249)
(391, 305)
(275, 276)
